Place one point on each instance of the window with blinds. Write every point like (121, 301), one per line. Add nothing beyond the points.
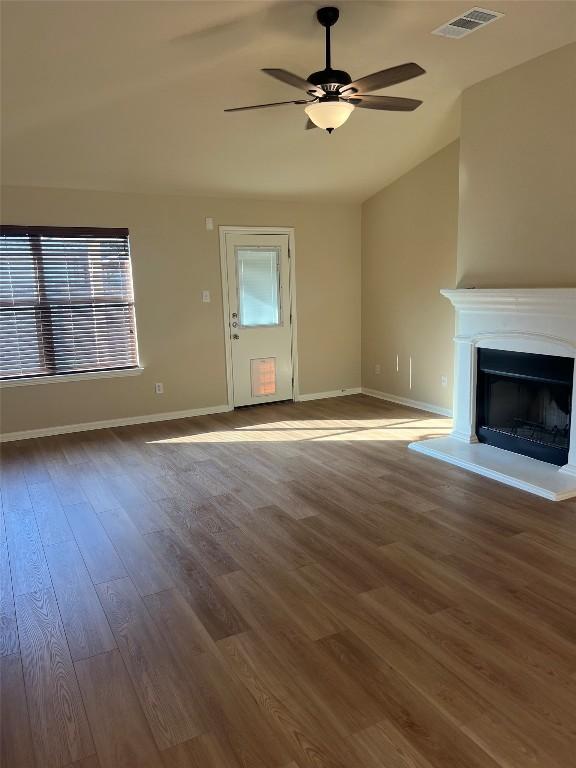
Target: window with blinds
(258, 286)
(66, 301)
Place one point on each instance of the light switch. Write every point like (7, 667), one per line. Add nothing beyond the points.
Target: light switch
(209, 223)
(206, 297)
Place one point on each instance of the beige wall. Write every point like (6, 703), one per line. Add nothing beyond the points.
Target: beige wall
(409, 233)
(517, 223)
(182, 340)
(499, 212)
(514, 217)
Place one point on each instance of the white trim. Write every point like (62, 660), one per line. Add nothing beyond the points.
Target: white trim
(557, 301)
(520, 341)
(71, 377)
(123, 422)
(332, 393)
(133, 304)
(223, 231)
(418, 404)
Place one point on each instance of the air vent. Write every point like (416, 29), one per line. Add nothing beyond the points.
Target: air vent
(467, 22)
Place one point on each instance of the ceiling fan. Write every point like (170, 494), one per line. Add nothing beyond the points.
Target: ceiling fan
(334, 93)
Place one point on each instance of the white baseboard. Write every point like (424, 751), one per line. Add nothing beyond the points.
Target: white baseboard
(406, 401)
(124, 422)
(332, 393)
(128, 420)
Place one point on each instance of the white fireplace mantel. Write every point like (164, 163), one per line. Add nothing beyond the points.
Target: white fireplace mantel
(541, 321)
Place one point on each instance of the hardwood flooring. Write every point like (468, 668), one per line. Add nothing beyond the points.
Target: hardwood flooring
(280, 587)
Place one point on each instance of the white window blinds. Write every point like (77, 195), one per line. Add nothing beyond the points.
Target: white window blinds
(66, 301)
(258, 286)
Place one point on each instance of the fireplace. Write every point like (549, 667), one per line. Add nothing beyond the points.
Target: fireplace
(524, 402)
(514, 417)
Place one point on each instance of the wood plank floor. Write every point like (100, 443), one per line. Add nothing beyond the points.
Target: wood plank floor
(280, 587)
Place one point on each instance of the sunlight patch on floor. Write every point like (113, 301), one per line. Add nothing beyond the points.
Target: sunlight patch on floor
(398, 430)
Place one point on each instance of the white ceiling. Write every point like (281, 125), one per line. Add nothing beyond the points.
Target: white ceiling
(123, 95)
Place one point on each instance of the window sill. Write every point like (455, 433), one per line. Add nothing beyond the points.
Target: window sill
(71, 377)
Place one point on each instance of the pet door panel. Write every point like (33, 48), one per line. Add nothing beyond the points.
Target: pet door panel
(263, 376)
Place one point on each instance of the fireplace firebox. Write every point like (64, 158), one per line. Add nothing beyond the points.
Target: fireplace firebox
(524, 402)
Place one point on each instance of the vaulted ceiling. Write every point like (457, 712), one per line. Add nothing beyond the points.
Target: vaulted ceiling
(129, 95)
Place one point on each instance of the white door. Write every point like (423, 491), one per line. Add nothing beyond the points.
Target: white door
(260, 322)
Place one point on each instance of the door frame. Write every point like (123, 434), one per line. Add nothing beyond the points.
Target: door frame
(230, 230)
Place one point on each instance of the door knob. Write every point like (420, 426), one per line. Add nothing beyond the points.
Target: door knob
(235, 336)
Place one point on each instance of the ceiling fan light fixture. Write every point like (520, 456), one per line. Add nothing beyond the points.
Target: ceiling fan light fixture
(329, 114)
(334, 93)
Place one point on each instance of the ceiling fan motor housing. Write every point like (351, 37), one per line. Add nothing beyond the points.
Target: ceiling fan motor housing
(330, 79)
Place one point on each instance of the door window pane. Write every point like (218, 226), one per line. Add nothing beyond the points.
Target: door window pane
(258, 286)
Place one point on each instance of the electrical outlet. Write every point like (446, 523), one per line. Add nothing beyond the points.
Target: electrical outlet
(159, 388)
(444, 381)
(378, 369)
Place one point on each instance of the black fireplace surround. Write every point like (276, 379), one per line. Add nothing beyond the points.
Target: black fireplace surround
(524, 402)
